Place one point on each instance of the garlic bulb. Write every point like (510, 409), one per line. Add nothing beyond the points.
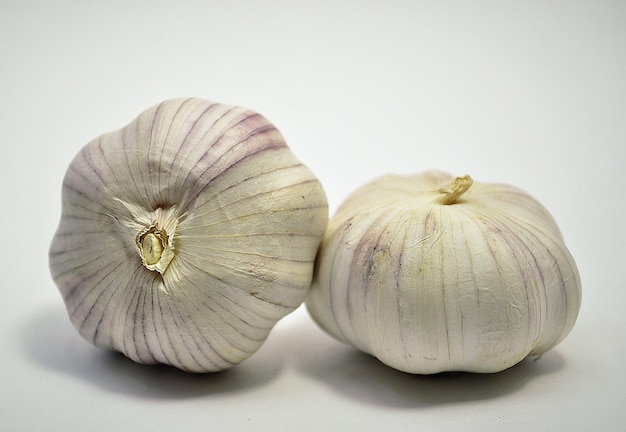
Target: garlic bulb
(186, 235)
(430, 273)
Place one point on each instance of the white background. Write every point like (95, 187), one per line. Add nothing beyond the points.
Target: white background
(531, 93)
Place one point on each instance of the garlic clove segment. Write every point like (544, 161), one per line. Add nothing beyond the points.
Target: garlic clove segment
(432, 273)
(186, 235)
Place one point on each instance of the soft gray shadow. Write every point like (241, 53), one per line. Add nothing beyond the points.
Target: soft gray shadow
(51, 342)
(364, 378)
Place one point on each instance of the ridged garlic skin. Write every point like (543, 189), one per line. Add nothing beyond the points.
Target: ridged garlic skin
(186, 235)
(475, 285)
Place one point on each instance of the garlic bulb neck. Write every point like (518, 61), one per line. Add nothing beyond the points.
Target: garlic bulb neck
(451, 194)
(152, 248)
(151, 244)
(155, 244)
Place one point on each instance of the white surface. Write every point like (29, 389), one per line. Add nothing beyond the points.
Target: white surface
(528, 93)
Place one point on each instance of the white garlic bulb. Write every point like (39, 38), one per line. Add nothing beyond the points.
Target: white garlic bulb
(186, 235)
(430, 274)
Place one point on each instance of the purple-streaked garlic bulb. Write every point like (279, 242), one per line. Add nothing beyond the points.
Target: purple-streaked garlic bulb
(431, 273)
(186, 235)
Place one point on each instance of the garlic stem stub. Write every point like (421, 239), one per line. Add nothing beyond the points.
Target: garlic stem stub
(432, 273)
(186, 235)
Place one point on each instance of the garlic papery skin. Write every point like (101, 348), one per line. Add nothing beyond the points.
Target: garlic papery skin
(186, 235)
(431, 273)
